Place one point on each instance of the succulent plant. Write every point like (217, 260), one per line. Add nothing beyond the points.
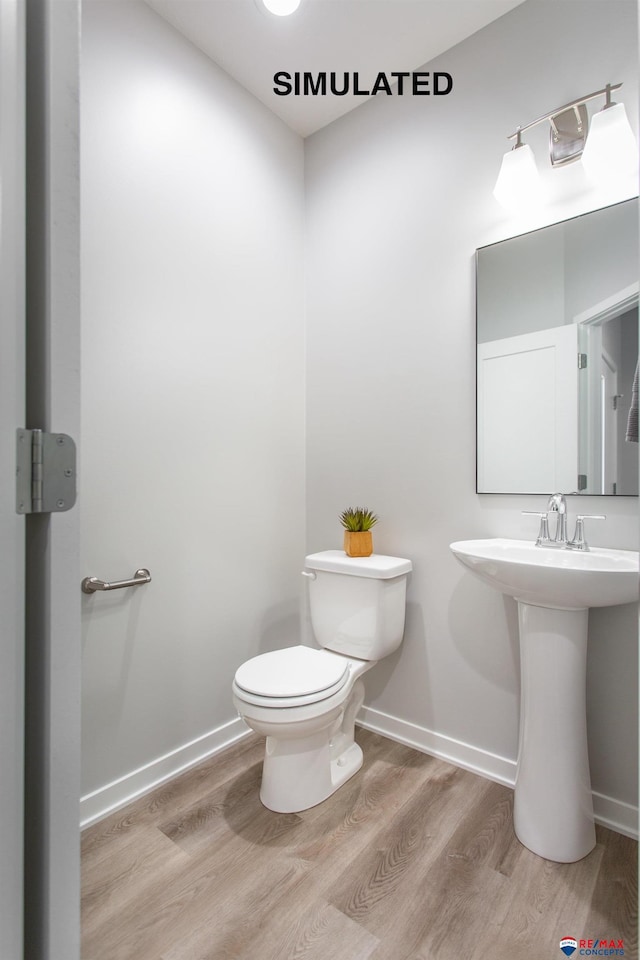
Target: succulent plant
(356, 519)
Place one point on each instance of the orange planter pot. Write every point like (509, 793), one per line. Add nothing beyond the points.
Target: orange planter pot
(358, 543)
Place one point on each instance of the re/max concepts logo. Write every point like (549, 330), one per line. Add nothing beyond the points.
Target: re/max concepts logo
(598, 947)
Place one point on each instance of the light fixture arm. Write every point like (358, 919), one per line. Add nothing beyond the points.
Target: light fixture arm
(606, 92)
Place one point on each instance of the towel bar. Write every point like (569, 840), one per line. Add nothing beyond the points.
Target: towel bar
(91, 584)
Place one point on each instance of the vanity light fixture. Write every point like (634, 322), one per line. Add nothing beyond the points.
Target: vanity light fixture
(281, 8)
(518, 186)
(608, 151)
(611, 149)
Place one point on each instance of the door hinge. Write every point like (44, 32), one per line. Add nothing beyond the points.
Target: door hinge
(582, 481)
(45, 472)
(582, 361)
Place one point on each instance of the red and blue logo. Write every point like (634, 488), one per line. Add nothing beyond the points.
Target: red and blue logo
(595, 947)
(568, 945)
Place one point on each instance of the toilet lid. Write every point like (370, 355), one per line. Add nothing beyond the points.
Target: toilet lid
(293, 672)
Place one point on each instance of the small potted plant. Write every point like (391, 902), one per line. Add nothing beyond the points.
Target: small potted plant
(357, 523)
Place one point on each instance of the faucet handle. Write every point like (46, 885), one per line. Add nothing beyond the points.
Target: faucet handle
(543, 532)
(579, 542)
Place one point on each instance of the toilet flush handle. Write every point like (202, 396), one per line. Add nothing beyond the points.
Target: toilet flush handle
(308, 573)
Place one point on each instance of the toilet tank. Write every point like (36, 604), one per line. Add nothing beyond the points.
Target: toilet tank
(357, 604)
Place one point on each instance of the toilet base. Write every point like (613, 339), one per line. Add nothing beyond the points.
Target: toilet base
(301, 771)
(294, 780)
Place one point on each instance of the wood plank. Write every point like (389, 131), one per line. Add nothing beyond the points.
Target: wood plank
(412, 859)
(172, 797)
(381, 879)
(258, 922)
(613, 909)
(335, 833)
(136, 862)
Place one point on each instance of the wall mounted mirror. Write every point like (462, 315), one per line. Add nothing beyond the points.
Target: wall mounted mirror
(557, 349)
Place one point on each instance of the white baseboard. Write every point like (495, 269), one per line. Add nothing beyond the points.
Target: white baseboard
(614, 814)
(461, 754)
(100, 803)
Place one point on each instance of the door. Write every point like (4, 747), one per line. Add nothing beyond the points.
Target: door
(529, 444)
(12, 366)
(52, 611)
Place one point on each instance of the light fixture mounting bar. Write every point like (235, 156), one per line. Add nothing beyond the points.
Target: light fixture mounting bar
(567, 106)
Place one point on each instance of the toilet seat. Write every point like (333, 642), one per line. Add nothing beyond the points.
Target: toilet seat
(291, 677)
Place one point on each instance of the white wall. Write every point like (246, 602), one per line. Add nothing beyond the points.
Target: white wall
(192, 452)
(399, 196)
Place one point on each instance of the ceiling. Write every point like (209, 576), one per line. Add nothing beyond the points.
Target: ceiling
(367, 36)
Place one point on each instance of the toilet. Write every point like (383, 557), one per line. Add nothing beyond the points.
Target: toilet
(305, 700)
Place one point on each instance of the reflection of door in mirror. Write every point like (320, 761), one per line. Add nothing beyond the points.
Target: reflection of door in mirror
(528, 403)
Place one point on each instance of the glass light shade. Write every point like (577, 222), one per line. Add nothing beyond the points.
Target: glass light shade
(518, 186)
(281, 8)
(611, 150)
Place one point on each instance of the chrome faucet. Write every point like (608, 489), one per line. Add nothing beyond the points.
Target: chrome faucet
(558, 505)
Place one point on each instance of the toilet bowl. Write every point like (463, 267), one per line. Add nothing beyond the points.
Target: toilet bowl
(305, 700)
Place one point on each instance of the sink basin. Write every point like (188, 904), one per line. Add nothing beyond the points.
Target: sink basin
(553, 577)
(553, 804)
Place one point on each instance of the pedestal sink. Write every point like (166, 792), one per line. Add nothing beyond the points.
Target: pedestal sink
(553, 809)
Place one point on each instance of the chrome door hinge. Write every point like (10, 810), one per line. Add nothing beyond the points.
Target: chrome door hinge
(45, 472)
(582, 361)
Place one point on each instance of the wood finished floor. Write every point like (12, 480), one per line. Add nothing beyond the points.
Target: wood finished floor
(412, 859)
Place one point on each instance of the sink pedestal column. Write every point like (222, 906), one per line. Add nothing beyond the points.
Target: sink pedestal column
(553, 807)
